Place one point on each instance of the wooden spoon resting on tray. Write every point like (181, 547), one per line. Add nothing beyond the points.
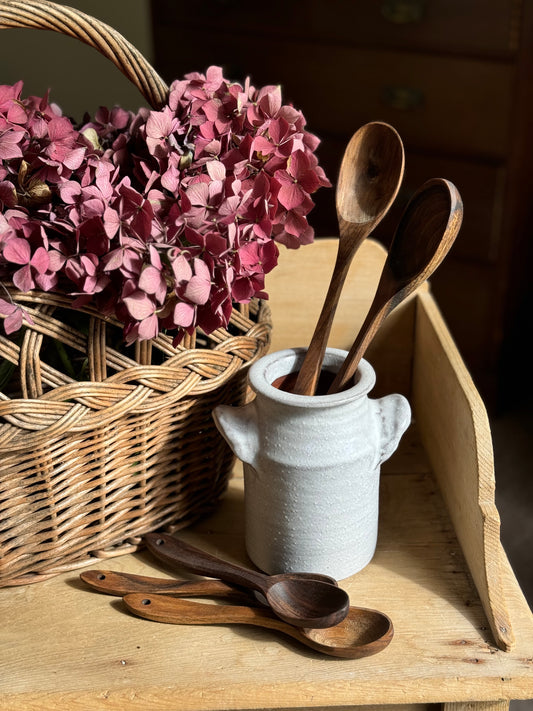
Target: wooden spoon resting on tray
(370, 177)
(362, 633)
(300, 601)
(116, 583)
(112, 582)
(425, 234)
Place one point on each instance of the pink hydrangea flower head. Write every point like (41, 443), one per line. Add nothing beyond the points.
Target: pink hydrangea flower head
(164, 218)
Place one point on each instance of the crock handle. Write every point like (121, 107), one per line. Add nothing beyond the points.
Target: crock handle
(238, 426)
(394, 417)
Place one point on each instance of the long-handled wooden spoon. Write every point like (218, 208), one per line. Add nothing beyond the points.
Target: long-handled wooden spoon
(370, 176)
(362, 633)
(425, 234)
(112, 582)
(304, 602)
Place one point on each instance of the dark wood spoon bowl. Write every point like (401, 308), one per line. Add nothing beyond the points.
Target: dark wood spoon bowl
(301, 601)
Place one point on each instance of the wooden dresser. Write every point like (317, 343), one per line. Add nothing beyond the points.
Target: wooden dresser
(454, 78)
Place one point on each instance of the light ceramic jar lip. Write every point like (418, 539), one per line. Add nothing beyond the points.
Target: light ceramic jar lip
(279, 363)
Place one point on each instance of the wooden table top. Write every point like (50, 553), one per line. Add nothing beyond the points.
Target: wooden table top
(64, 646)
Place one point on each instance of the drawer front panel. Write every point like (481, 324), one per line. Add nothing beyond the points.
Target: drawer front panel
(481, 186)
(472, 26)
(339, 89)
(457, 26)
(422, 96)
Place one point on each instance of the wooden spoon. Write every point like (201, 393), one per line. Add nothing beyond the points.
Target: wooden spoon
(120, 584)
(300, 601)
(425, 234)
(362, 633)
(370, 176)
(116, 583)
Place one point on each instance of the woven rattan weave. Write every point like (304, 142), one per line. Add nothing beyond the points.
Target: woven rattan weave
(87, 467)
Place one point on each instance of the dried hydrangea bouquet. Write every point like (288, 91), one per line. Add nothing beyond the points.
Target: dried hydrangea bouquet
(162, 218)
(133, 253)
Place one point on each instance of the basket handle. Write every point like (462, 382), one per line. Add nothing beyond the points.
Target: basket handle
(46, 15)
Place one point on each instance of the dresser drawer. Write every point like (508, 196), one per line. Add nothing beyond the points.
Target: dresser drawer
(481, 185)
(456, 26)
(423, 96)
(467, 295)
(460, 106)
(474, 26)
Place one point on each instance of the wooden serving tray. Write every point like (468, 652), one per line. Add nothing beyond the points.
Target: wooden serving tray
(414, 354)
(463, 630)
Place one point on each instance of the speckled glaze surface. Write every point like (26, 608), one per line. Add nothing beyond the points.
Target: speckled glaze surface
(311, 467)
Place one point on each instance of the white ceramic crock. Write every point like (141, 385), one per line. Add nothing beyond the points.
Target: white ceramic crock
(311, 467)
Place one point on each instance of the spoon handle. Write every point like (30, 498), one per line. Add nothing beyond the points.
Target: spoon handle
(163, 608)
(424, 236)
(309, 373)
(115, 583)
(379, 310)
(369, 179)
(175, 552)
(160, 608)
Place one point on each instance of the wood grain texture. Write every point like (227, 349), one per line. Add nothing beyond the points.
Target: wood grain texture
(362, 633)
(477, 706)
(370, 176)
(426, 232)
(111, 582)
(298, 286)
(456, 433)
(84, 653)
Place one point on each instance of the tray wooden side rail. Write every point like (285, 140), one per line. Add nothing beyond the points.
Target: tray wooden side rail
(455, 432)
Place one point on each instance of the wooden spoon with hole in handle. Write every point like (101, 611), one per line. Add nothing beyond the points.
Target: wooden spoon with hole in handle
(369, 179)
(120, 584)
(116, 583)
(301, 601)
(362, 633)
(425, 234)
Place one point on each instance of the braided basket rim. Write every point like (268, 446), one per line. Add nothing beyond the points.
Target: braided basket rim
(136, 388)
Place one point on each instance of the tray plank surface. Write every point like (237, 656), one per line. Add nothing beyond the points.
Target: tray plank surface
(65, 645)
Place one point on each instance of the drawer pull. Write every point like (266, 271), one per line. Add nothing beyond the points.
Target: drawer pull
(403, 98)
(403, 12)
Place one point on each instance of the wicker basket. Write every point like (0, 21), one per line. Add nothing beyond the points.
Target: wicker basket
(86, 468)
